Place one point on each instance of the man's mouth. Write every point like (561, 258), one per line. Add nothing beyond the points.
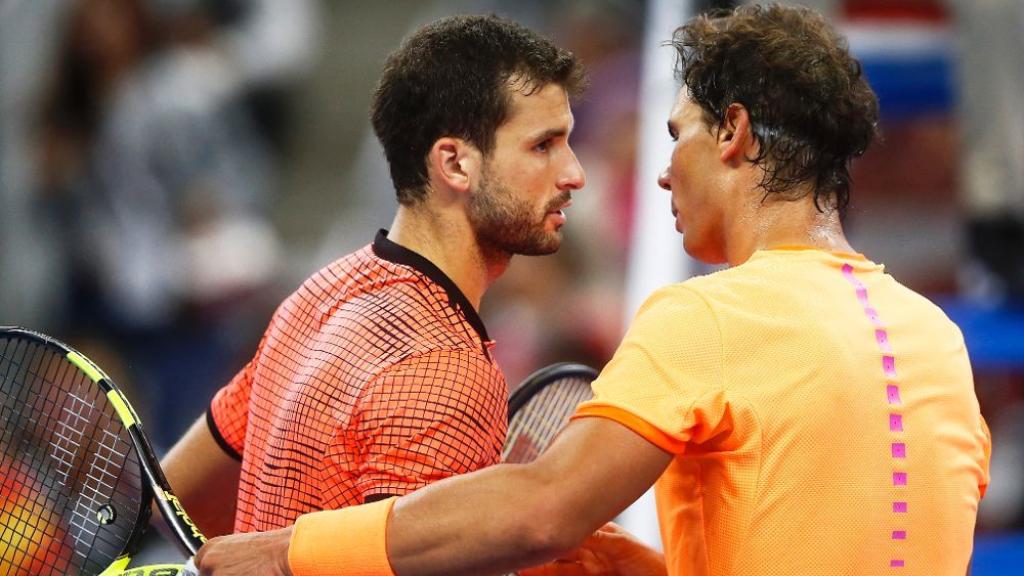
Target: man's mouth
(561, 208)
(559, 204)
(557, 209)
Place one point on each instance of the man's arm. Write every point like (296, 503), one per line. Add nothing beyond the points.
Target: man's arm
(492, 521)
(514, 516)
(204, 478)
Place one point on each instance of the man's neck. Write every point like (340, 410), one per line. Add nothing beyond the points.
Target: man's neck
(779, 222)
(448, 241)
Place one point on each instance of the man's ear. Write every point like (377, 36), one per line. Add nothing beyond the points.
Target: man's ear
(735, 136)
(453, 163)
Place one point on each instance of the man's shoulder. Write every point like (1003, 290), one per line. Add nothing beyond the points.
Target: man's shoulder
(729, 291)
(766, 272)
(726, 280)
(681, 304)
(364, 298)
(362, 274)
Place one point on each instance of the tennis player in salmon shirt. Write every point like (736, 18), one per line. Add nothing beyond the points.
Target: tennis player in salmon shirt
(376, 376)
(799, 412)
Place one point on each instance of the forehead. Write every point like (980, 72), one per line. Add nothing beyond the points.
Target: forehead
(547, 106)
(684, 109)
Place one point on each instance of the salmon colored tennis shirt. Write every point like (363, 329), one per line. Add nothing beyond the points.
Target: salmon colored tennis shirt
(373, 379)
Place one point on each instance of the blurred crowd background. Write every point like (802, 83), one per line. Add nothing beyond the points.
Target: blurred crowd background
(171, 169)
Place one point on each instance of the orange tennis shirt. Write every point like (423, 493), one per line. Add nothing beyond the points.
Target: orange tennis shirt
(373, 379)
(822, 416)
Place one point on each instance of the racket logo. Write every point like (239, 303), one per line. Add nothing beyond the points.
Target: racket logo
(179, 511)
(106, 515)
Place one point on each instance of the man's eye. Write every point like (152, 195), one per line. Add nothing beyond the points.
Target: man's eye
(543, 146)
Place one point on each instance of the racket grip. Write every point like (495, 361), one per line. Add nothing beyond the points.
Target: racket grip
(189, 569)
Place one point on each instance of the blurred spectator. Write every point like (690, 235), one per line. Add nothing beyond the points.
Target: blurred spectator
(256, 49)
(160, 183)
(991, 37)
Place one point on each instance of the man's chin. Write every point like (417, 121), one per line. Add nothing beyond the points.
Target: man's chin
(694, 250)
(704, 254)
(549, 244)
(545, 250)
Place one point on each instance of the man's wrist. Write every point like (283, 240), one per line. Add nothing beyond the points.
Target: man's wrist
(347, 542)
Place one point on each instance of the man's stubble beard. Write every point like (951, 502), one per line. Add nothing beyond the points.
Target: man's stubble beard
(505, 225)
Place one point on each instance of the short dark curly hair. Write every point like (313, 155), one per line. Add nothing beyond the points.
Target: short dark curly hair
(454, 77)
(811, 109)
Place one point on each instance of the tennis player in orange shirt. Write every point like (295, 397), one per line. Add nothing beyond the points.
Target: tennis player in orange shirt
(799, 412)
(376, 377)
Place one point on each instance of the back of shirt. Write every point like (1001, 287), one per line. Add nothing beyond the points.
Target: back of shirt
(823, 415)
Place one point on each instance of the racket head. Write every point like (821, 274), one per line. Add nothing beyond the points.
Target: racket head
(73, 495)
(542, 405)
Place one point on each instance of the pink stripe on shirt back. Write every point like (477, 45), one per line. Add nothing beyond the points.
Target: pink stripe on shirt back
(898, 448)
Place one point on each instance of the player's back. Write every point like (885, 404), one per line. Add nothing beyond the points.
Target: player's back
(862, 423)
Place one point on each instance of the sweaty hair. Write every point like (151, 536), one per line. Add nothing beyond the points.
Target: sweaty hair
(811, 109)
(454, 78)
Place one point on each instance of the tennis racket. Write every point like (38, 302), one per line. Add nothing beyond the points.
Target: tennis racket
(77, 474)
(541, 406)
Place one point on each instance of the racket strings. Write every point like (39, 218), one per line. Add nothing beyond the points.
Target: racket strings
(534, 425)
(537, 423)
(29, 514)
(70, 482)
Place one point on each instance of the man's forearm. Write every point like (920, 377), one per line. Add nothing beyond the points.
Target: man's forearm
(488, 522)
(508, 517)
(443, 531)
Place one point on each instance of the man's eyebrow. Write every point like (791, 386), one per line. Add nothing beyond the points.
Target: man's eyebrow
(550, 133)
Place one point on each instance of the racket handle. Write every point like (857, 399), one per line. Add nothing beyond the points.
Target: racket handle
(189, 569)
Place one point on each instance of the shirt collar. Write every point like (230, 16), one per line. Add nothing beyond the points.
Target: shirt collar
(392, 252)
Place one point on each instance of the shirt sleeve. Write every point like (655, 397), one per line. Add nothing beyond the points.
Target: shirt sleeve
(665, 380)
(228, 414)
(427, 418)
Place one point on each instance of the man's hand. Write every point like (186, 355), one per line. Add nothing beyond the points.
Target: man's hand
(611, 551)
(253, 554)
